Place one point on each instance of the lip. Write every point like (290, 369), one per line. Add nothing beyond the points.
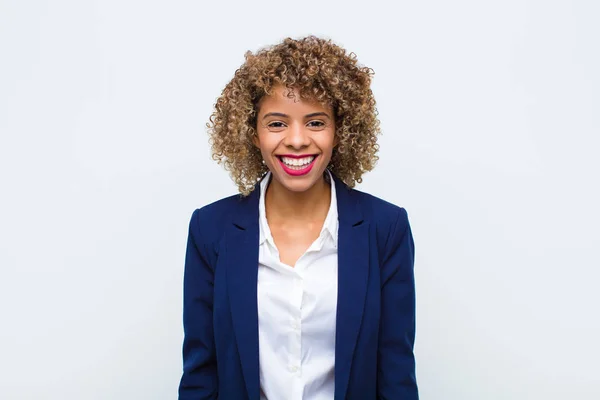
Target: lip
(297, 172)
(296, 155)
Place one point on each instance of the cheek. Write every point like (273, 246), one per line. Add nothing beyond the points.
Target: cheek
(266, 143)
(328, 140)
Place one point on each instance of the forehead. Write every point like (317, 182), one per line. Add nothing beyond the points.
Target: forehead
(282, 97)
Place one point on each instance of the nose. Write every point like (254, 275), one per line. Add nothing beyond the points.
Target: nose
(297, 136)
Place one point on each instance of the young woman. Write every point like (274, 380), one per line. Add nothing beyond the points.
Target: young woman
(299, 287)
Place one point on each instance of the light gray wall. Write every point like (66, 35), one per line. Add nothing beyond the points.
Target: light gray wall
(490, 123)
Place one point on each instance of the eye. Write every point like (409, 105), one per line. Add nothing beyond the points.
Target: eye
(316, 124)
(276, 125)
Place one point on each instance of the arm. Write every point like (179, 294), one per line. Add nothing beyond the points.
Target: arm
(396, 362)
(199, 379)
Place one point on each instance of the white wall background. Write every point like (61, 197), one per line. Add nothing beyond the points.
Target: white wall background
(490, 122)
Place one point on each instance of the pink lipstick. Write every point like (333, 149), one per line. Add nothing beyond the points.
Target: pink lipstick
(297, 171)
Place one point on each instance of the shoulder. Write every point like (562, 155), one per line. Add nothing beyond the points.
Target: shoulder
(209, 222)
(388, 221)
(381, 212)
(219, 209)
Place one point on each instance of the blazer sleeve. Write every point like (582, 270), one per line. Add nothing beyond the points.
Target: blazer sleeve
(199, 380)
(396, 378)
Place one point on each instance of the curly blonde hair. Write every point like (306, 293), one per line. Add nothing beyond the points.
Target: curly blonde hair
(318, 69)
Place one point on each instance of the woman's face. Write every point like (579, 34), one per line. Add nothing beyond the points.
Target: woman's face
(296, 138)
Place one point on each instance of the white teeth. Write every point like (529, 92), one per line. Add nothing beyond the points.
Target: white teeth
(297, 161)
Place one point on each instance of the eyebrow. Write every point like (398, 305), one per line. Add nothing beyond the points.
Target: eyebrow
(311, 115)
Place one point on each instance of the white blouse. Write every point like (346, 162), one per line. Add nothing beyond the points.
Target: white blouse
(297, 313)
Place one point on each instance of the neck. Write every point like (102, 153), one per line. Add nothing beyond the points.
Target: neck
(283, 204)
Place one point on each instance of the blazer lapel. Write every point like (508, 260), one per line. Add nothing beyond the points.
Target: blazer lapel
(353, 271)
(241, 252)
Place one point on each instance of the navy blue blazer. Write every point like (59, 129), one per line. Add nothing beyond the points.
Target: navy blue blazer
(375, 320)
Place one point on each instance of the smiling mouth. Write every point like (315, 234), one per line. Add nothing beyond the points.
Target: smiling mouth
(297, 166)
(298, 163)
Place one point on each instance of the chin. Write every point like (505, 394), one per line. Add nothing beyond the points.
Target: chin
(297, 184)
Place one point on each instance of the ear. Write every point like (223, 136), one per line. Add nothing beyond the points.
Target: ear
(255, 141)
